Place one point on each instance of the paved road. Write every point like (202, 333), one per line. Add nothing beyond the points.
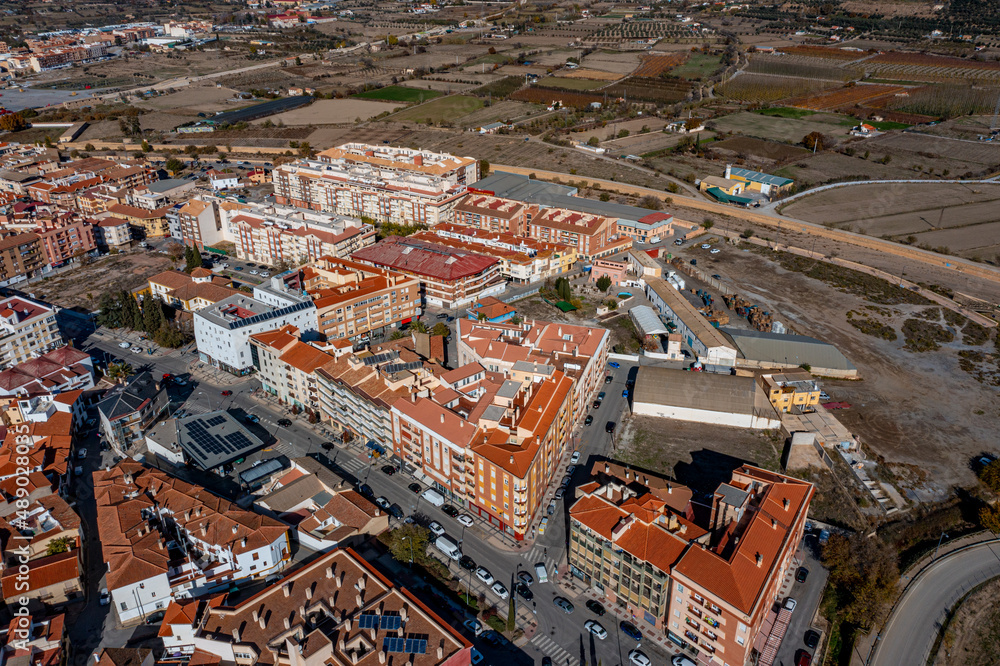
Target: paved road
(913, 627)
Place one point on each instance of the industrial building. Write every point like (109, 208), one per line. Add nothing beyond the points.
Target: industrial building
(710, 346)
(776, 350)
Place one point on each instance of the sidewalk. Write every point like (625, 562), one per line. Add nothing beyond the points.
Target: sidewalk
(865, 644)
(203, 372)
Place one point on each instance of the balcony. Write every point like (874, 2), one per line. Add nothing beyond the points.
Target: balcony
(694, 610)
(711, 634)
(691, 623)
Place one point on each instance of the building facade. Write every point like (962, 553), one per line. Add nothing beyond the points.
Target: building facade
(27, 329)
(286, 367)
(280, 235)
(129, 410)
(21, 257)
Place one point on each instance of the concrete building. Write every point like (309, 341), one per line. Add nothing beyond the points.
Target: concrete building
(397, 185)
(112, 232)
(450, 279)
(279, 235)
(590, 234)
(150, 223)
(129, 410)
(340, 611)
(205, 441)
(791, 390)
(57, 371)
(759, 349)
(580, 352)
(644, 265)
(200, 224)
(709, 345)
(489, 213)
(616, 271)
(164, 539)
(490, 444)
(21, 257)
(707, 578)
(27, 329)
(703, 397)
(191, 292)
(286, 367)
(223, 180)
(756, 181)
(358, 302)
(64, 240)
(733, 188)
(222, 331)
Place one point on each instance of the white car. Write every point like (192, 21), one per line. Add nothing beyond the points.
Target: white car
(681, 660)
(639, 658)
(576, 457)
(475, 626)
(124, 345)
(137, 349)
(477, 656)
(465, 520)
(382, 502)
(265, 274)
(483, 574)
(705, 246)
(596, 629)
(81, 454)
(253, 272)
(435, 528)
(500, 590)
(105, 597)
(823, 395)
(715, 250)
(789, 604)
(223, 265)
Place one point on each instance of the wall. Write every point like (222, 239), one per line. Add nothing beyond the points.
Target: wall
(705, 416)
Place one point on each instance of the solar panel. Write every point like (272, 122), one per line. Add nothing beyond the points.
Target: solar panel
(368, 621)
(415, 646)
(391, 622)
(393, 644)
(380, 358)
(216, 420)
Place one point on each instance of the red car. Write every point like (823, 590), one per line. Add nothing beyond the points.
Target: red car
(167, 375)
(803, 658)
(227, 393)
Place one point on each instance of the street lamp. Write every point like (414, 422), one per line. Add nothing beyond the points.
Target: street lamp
(940, 538)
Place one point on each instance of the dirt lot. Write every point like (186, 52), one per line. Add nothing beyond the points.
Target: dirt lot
(973, 637)
(609, 61)
(959, 217)
(767, 150)
(898, 407)
(83, 286)
(325, 111)
(921, 153)
(196, 98)
(790, 130)
(827, 167)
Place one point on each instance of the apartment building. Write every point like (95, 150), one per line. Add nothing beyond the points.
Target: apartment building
(112, 232)
(280, 235)
(489, 443)
(590, 234)
(707, 577)
(165, 539)
(357, 390)
(129, 410)
(580, 352)
(27, 329)
(64, 238)
(522, 260)
(200, 224)
(490, 213)
(222, 331)
(399, 185)
(21, 257)
(193, 292)
(450, 279)
(791, 391)
(286, 367)
(60, 370)
(359, 302)
(151, 223)
(337, 610)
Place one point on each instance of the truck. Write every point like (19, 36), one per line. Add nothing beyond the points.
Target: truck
(448, 547)
(540, 573)
(433, 496)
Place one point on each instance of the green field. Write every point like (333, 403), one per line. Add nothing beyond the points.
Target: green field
(698, 66)
(443, 109)
(400, 94)
(570, 84)
(785, 112)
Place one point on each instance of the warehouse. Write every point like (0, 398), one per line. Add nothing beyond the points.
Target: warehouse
(709, 345)
(775, 350)
(703, 397)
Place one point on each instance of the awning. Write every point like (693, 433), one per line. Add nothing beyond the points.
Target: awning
(376, 447)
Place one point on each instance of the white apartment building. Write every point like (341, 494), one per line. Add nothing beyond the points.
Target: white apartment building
(286, 366)
(398, 185)
(27, 329)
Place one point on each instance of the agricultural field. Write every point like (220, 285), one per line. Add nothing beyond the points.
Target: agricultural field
(846, 97)
(612, 61)
(697, 67)
(800, 66)
(331, 111)
(654, 65)
(439, 110)
(635, 127)
(592, 74)
(541, 96)
(564, 83)
(832, 166)
(790, 130)
(931, 68)
(948, 101)
(505, 110)
(961, 219)
(760, 149)
(923, 153)
(624, 32)
(825, 52)
(399, 94)
(194, 99)
(446, 87)
(764, 88)
(660, 91)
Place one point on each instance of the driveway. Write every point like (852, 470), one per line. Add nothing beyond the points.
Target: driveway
(912, 628)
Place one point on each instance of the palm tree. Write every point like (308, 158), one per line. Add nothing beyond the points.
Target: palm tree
(419, 326)
(119, 372)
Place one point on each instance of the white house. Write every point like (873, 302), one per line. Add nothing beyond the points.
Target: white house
(223, 180)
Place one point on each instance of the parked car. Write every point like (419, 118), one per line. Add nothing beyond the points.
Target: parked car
(155, 618)
(587, 421)
(705, 246)
(714, 250)
(465, 520)
(525, 578)
(630, 630)
(475, 626)
(542, 525)
(552, 508)
(253, 272)
(500, 590)
(124, 345)
(382, 502)
(483, 574)
(436, 528)
(639, 658)
(609, 379)
(801, 575)
(596, 629)
(803, 658)
(790, 604)
(395, 511)
(78, 470)
(388, 470)
(81, 454)
(265, 274)
(415, 487)
(681, 660)
(811, 638)
(570, 470)
(284, 423)
(137, 349)
(610, 427)
(625, 393)
(523, 592)
(450, 510)
(575, 458)
(560, 493)
(597, 404)
(252, 418)
(226, 394)
(366, 491)
(467, 563)
(563, 603)
(823, 395)
(614, 364)
(596, 607)
(105, 597)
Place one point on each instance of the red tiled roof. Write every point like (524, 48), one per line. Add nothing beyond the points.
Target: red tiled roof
(425, 259)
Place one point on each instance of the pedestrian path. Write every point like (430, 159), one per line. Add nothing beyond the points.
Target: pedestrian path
(538, 553)
(551, 648)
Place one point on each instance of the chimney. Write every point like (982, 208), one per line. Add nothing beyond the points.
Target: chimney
(512, 460)
(262, 622)
(204, 529)
(440, 653)
(358, 600)
(161, 544)
(287, 589)
(418, 160)
(340, 580)
(235, 529)
(760, 559)
(187, 516)
(236, 635)
(774, 524)
(287, 623)
(404, 612)
(309, 593)
(785, 503)
(607, 468)
(362, 582)
(255, 615)
(373, 633)
(381, 656)
(442, 417)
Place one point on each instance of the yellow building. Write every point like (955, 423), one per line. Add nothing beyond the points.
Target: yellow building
(152, 222)
(791, 390)
(733, 188)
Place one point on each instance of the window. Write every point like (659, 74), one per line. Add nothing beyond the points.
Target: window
(680, 588)
(124, 606)
(742, 627)
(256, 556)
(740, 640)
(677, 613)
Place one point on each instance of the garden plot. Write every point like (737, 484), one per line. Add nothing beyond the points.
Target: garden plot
(332, 111)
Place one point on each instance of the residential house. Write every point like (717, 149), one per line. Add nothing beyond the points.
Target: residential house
(57, 371)
(191, 292)
(129, 410)
(223, 180)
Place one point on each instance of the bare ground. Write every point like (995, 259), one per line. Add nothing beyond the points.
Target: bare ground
(83, 286)
(973, 637)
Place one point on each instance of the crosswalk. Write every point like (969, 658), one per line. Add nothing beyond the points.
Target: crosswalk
(538, 553)
(350, 463)
(551, 648)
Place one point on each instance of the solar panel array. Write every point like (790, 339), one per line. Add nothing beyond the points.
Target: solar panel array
(404, 645)
(212, 448)
(381, 357)
(399, 367)
(391, 622)
(215, 420)
(368, 621)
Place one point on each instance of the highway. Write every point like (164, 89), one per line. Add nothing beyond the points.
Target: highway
(909, 635)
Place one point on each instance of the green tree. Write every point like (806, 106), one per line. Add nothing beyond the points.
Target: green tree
(563, 289)
(419, 326)
(152, 315)
(119, 372)
(603, 282)
(441, 328)
(170, 337)
(990, 476)
(13, 122)
(131, 314)
(593, 141)
(651, 202)
(174, 166)
(604, 196)
(484, 168)
(865, 572)
(397, 335)
(401, 540)
(708, 223)
(989, 517)
(145, 147)
(816, 141)
(192, 259)
(60, 545)
(110, 314)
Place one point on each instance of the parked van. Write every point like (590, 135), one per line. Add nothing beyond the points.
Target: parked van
(540, 573)
(433, 496)
(448, 547)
